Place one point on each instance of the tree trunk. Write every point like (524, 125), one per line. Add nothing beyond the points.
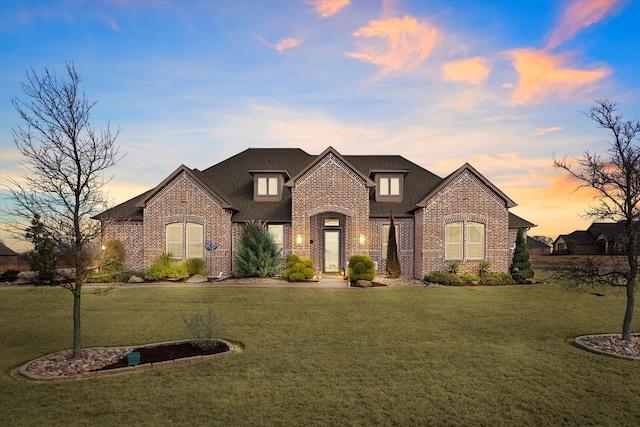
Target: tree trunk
(76, 323)
(628, 314)
(632, 257)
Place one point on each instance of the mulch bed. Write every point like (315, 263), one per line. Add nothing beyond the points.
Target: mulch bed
(165, 352)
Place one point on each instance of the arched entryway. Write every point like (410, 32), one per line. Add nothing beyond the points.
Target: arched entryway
(329, 231)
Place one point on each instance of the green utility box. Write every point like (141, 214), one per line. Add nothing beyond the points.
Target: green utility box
(133, 358)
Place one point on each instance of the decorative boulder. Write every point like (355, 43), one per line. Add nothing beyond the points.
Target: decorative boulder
(363, 283)
(197, 279)
(135, 279)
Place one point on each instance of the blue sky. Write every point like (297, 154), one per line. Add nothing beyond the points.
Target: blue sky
(499, 84)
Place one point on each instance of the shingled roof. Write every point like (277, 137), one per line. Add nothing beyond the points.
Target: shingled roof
(6, 251)
(232, 182)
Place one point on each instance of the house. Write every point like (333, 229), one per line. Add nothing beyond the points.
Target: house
(326, 207)
(599, 238)
(8, 258)
(537, 247)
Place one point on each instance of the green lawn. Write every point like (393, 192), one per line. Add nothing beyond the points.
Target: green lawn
(385, 356)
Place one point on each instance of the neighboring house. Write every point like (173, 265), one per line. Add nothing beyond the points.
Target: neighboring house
(599, 238)
(8, 258)
(536, 247)
(326, 207)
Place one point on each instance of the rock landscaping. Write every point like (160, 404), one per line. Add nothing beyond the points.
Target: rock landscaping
(612, 345)
(109, 360)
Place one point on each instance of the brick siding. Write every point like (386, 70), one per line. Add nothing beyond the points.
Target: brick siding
(464, 199)
(330, 186)
(184, 200)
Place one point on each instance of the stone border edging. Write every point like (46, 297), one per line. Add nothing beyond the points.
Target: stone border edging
(137, 368)
(579, 342)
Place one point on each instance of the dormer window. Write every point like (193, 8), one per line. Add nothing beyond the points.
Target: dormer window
(389, 187)
(267, 187)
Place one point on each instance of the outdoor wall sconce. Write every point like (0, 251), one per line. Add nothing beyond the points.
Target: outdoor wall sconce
(362, 240)
(298, 240)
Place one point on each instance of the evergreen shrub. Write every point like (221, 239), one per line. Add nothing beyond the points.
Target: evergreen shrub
(497, 279)
(361, 267)
(258, 254)
(443, 278)
(298, 269)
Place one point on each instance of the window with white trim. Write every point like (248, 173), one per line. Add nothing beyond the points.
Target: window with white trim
(277, 232)
(453, 236)
(475, 240)
(464, 240)
(388, 188)
(267, 186)
(185, 240)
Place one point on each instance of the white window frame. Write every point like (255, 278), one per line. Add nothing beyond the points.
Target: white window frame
(472, 245)
(267, 186)
(277, 232)
(195, 240)
(174, 239)
(389, 186)
(454, 249)
(464, 247)
(185, 240)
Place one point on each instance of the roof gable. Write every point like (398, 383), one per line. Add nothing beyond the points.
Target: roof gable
(6, 251)
(196, 175)
(466, 167)
(368, 182)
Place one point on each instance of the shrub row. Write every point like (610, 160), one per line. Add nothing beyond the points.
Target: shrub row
(165, 267)
(448, 279)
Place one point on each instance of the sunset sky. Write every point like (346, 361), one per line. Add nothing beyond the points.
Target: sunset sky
(499, 84)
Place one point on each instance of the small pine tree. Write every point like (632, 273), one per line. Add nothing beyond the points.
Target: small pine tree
(393, 264)
(43, 258)
(258, 254)
(521, 267)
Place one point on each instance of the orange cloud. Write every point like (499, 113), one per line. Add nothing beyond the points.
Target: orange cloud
(406, 43)
(542, 131)
(543, 74)
(578, 15)
(282, 45)
(286, 44)
(327, 8)
(471, 70)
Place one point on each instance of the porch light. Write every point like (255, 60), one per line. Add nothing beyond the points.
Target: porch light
(362, 240)
(298, 240)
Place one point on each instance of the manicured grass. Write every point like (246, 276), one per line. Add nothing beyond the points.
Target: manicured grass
(380, 356)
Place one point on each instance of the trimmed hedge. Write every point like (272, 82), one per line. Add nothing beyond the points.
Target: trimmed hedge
(448, 279)
(298, 269)
(361, 267)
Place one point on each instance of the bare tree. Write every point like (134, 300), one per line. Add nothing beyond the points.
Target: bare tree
(616, 179)
(65, 159)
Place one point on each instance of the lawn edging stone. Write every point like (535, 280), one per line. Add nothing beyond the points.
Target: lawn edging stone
(610, 345)
(26, 372)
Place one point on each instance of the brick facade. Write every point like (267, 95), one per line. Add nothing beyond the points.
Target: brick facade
(329, 187)
(466, 199)
(131, 235)
(184, 200)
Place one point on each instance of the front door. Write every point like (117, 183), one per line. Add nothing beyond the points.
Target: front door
(331, 251)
